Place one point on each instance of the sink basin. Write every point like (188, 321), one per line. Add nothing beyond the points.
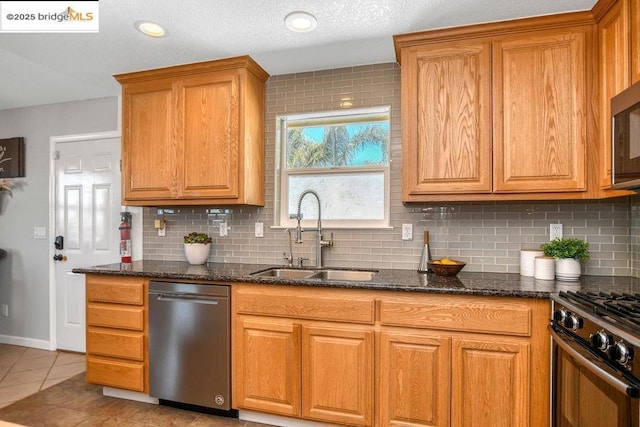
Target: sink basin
(290, 273)
(323, 274)
(355, 275)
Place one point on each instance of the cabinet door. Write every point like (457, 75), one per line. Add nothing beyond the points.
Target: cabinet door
(490, 382)
(267, 366)
(540, 112)
(148, 151)
(635, 41)
(208, 134)
(337, 375)
(414, 379)
(613, 34)
(446, 119)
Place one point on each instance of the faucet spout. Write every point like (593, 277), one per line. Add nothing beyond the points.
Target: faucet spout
(319, 242)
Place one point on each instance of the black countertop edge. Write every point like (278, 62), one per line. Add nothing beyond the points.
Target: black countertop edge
(466, 283)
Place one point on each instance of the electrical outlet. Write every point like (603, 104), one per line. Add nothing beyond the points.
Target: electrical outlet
(5, 310)
(162, 232)
(223, 229)
(555, 231)
(407, 231)
(259, 230)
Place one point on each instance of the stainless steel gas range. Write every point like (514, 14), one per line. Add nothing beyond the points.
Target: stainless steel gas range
(596, 359)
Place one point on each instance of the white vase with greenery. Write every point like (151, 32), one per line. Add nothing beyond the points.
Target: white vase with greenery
(197, 247)
(568, 252)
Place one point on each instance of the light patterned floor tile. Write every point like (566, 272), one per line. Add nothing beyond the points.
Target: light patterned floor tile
(66, 371)
(68, 358)
(17, 392)
(29, 364)
(24, 377)
(50, 382)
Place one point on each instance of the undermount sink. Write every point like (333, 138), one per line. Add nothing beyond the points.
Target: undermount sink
(323, 274)
(356, 275)
(290, 273)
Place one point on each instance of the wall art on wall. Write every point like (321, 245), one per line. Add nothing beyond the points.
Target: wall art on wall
(12, 157)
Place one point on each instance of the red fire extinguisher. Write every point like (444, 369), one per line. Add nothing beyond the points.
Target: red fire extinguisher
(125, 237)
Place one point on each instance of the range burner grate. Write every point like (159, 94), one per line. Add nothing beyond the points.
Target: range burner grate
(622, 308)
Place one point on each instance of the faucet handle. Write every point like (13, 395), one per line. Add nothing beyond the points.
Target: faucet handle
(289, 258)
(301, 261)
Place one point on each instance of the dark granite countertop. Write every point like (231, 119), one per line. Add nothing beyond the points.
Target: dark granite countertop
(488, 284)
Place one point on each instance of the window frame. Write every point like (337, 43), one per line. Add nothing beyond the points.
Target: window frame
(281, 203)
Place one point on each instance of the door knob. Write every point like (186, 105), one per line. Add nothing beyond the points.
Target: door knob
(59, 257)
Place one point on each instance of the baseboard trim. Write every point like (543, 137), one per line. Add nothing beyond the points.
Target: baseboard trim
(276, 420)
(129, 395)
(25, 342)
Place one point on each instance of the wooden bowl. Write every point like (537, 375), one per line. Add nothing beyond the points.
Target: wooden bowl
(446, 269)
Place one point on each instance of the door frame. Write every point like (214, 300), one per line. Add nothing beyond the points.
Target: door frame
(52, 217)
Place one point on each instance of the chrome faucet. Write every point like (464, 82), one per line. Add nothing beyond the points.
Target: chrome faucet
(289, 257)
(319, 242)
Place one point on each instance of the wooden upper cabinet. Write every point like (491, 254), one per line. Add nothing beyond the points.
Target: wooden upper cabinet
(498, 111)
(194, 134)
(613, 34)
(209, 132)
(446, 114)
(539, 117)
(635, 41)
(148, 150)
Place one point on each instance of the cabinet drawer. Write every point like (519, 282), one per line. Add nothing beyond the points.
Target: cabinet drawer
(126, 345)
(123, 290)
(115, 373)
(487, 315)
(114, 316)
(335, 305)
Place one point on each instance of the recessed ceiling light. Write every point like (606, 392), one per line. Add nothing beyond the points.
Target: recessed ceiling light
(301, 22)
(150, 28)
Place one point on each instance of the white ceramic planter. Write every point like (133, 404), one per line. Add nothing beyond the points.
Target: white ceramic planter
(197, 253)
(567, 269)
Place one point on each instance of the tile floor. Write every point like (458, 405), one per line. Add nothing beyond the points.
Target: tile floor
(51, 390)
(25, 371)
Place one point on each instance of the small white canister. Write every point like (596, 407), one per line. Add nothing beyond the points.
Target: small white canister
(545, 268)
(527, 261)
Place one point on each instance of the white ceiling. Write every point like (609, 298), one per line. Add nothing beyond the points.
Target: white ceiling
(40, 69)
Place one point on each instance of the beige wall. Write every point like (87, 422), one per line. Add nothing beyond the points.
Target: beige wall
(488, 236)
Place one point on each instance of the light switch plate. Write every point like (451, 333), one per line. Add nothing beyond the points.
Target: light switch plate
(40, 233)
(259, 230)
(223, 229)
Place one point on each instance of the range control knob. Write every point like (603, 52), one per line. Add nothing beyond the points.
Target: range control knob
(621, 353)
(573, 322)
(561, 315)
(601, 341)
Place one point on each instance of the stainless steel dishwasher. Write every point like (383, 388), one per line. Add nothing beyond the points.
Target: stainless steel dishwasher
(189, 344)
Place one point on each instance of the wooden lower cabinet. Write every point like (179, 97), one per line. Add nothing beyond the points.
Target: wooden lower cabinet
(415, 373)
(490, 382)
(267, 376)
(337, 374)
(117, 332)
(423, 360)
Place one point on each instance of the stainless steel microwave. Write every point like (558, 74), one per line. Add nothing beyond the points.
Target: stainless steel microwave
(625, 135)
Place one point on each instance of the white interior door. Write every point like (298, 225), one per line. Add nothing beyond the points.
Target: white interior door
(87, 215)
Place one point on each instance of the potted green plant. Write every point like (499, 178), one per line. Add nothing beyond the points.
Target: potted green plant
(197, 247)
(568, 252)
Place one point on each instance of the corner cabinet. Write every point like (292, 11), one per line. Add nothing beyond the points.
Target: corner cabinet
(194, 134)
(382, 358)
(117, 332)
(501, 111)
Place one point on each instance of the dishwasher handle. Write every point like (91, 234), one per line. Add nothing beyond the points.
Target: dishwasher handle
(196, 299)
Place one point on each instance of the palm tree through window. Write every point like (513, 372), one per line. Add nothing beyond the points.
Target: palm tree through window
(344, 156)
